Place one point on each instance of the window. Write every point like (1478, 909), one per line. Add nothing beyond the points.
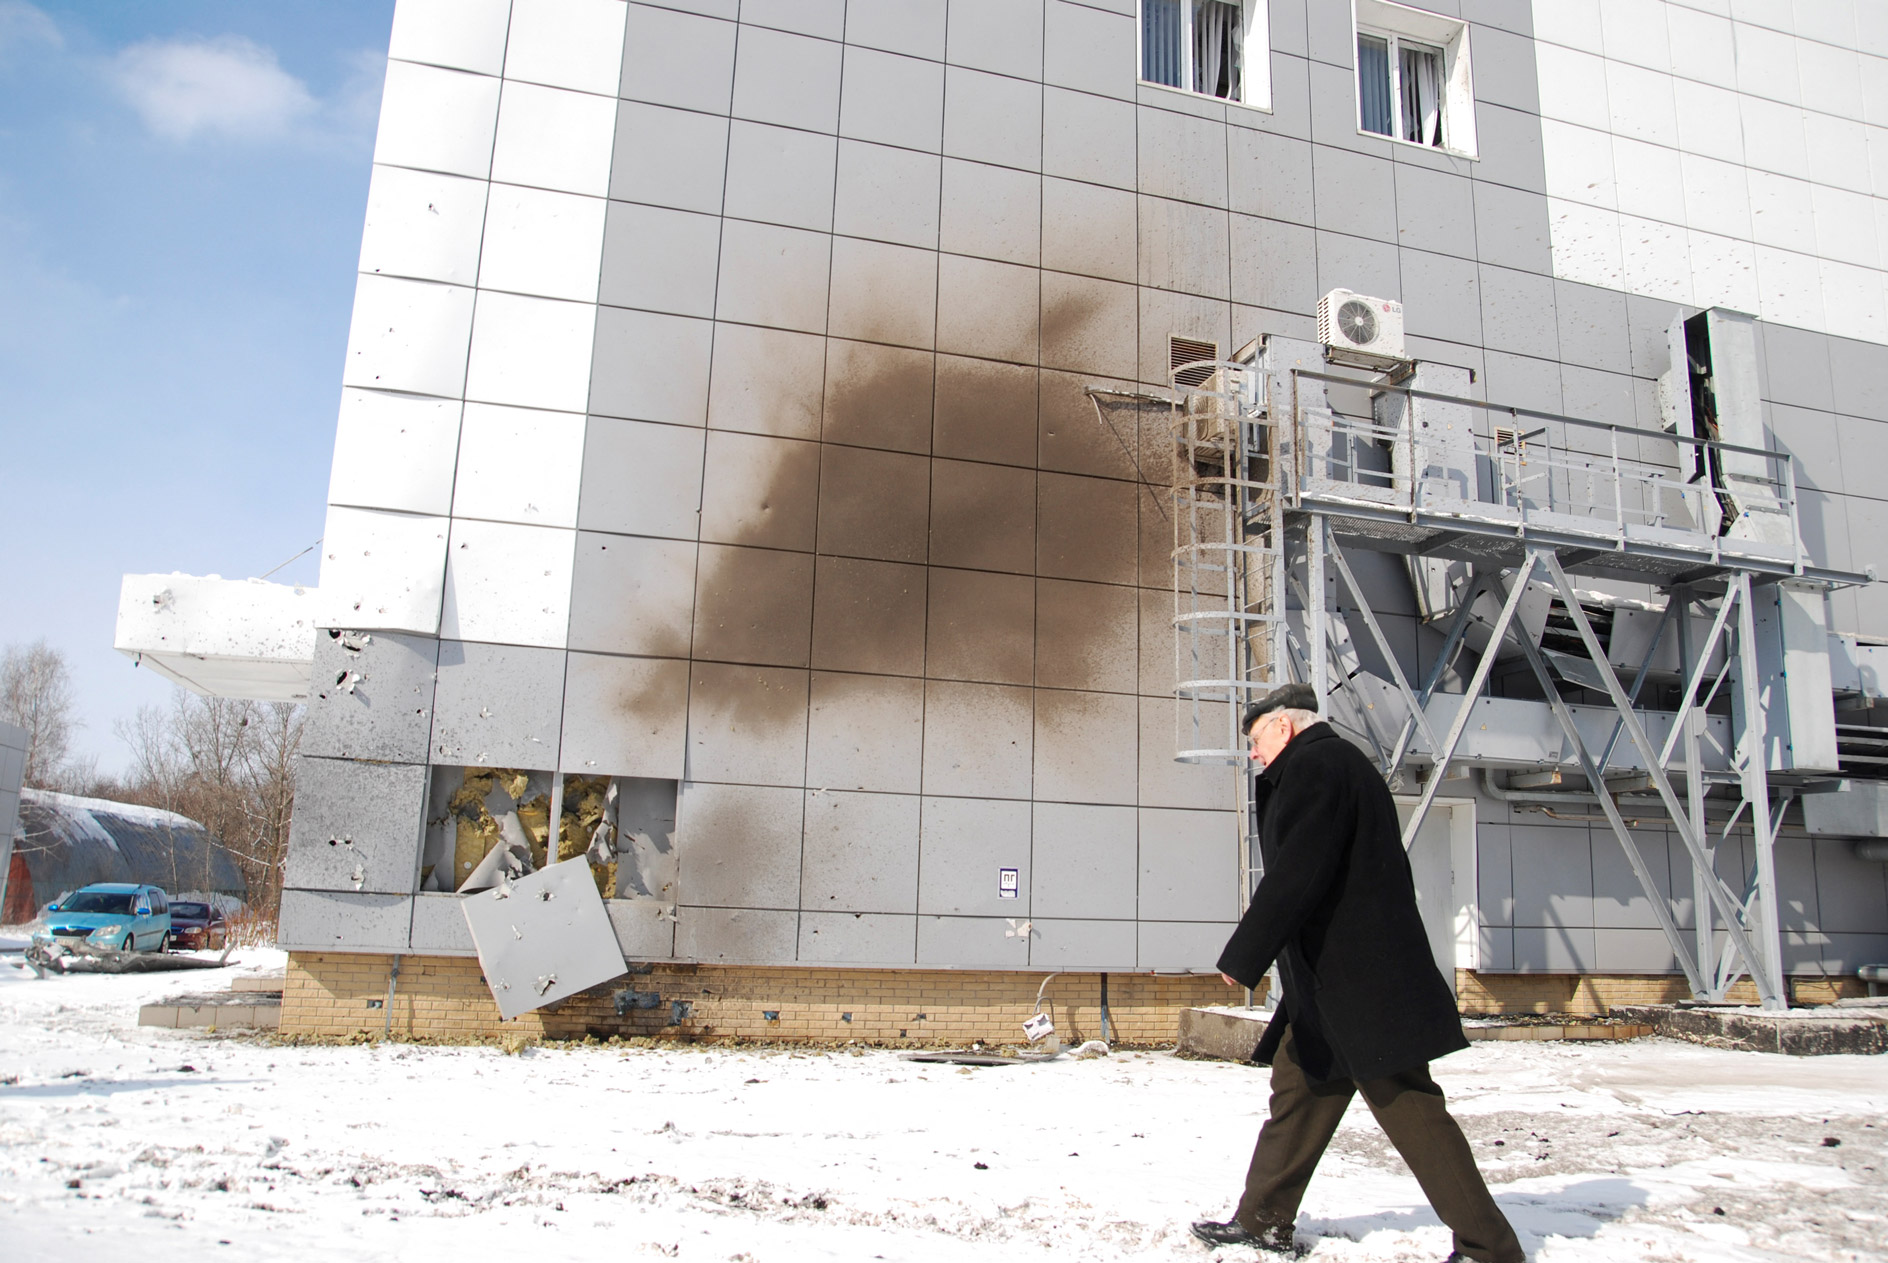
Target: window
(1412, 77)
(1212, 47)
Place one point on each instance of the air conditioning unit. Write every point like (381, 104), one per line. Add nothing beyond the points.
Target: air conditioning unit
(1358, 323)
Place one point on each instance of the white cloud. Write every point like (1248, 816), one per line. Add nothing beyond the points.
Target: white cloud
(228, 85)
(22, 25)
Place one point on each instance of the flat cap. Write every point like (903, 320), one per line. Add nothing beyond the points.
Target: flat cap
(1284, 697)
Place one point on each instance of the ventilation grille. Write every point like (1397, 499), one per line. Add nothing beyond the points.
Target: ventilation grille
(1190, 351)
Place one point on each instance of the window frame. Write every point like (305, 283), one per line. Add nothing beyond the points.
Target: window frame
(1397, 24)
(1255, 51)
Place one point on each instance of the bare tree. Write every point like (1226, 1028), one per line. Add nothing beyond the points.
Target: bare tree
(36, 694)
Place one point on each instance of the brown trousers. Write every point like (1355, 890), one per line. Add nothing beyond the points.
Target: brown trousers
(1409, 1108)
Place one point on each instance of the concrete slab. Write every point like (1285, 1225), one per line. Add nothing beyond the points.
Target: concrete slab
(1227, 1034)
(1795, 1032)
(222, 1011)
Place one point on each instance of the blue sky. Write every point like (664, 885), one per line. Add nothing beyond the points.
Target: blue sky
(181, 193)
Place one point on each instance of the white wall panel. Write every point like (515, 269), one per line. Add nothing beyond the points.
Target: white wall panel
(1586, 244)
(1579, 164)
(553, 139)
(1852, 301)
(1657, 261)
(395, 452)
(1723, 272)
(1640, 103)
(382, 570)
(1789, 287)
(531, 352)
(508, 584)
(424, 225)
(408, 335)
(462, 34)
(543, 243)
(519, 465)
(567, 44)
(437, 120)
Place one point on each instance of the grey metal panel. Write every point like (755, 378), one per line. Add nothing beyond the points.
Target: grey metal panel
(739, 845)
(1084, 861)
(986, 411)
(858, 938)
(1593, 327)
(873, 504)
(1071, 439)
(631, 594)
(1649, 325)
(1556, 949)
(1511, 231)
(1328, 34)
(893, 100)
(1518, 313)
(498, 705)
(978, 739)
(1798, 364)
(912, 27)
(879, 396)
(1183, 246)
(774, 276)
(1863, 447)
(1003, 36)
(1593, 395)
(868, 616)
(987, 309)
(1167, 783)
(640, 479)
(1274, 264)
(1618, 899)
(973, 942)
(1087, 528)
(983, 516)
(1820, 955)
(1368, 267)
(980, 626)
(660, 260)
(787, 79)
(357, 826)
(1189, 945)
(754, 605)
(1633, 951)
(1819, 442)
(1270, 175)
(747, 724)
(1356, 193)
(760, 491)
(1510, 148)
(736, 936)
(649, 367)
(991, 212)
(1494, 871)
(1553, 874)
(1435, 211)
(1088, 138)
(645, 928)
(965, 845)
(1085, 636)
(860, 853)
(823, 18)
(625, 716)
(1445, 300)
(1505, 69)
(1796, 884)
(767, 381)
(1858, 374)
(883, 293)
(1189, 865)
(1182, 157)
(1520, 380)
(865, 732)
(678, 59)
(1291, 99)
(1088, 49)
(1851, 892)
(780, 175)
(439, 927)
(332, 921)
(1085, 747)
(668, 157)
(1090, 229)
(1082, 944)
(992, 119)
(372, 696)
(1497, 949)
(887, 194)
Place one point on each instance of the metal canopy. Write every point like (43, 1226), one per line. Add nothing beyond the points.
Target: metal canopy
(1282, 465)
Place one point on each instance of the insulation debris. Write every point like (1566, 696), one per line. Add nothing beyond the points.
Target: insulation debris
(496, 825)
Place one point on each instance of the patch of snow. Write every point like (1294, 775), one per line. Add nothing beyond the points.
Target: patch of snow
(82, 809)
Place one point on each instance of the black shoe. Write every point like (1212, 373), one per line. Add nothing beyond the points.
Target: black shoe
(1275, 1237)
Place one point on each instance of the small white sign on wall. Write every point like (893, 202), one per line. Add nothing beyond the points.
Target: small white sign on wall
(1006, 883)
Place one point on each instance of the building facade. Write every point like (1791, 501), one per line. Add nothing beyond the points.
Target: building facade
(720, 471)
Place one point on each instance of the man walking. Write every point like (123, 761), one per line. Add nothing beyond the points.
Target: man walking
(1364, 1008)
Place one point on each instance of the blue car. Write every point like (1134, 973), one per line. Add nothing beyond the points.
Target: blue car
(108, 916)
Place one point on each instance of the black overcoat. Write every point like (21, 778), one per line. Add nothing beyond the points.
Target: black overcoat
(1336, 909)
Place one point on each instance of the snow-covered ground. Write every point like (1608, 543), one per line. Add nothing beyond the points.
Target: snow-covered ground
(117, 1141)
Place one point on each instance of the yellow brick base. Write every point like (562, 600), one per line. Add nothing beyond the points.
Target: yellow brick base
(338, 995)
(1592, 995)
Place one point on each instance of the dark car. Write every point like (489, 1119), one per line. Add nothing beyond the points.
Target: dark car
(197, 927)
